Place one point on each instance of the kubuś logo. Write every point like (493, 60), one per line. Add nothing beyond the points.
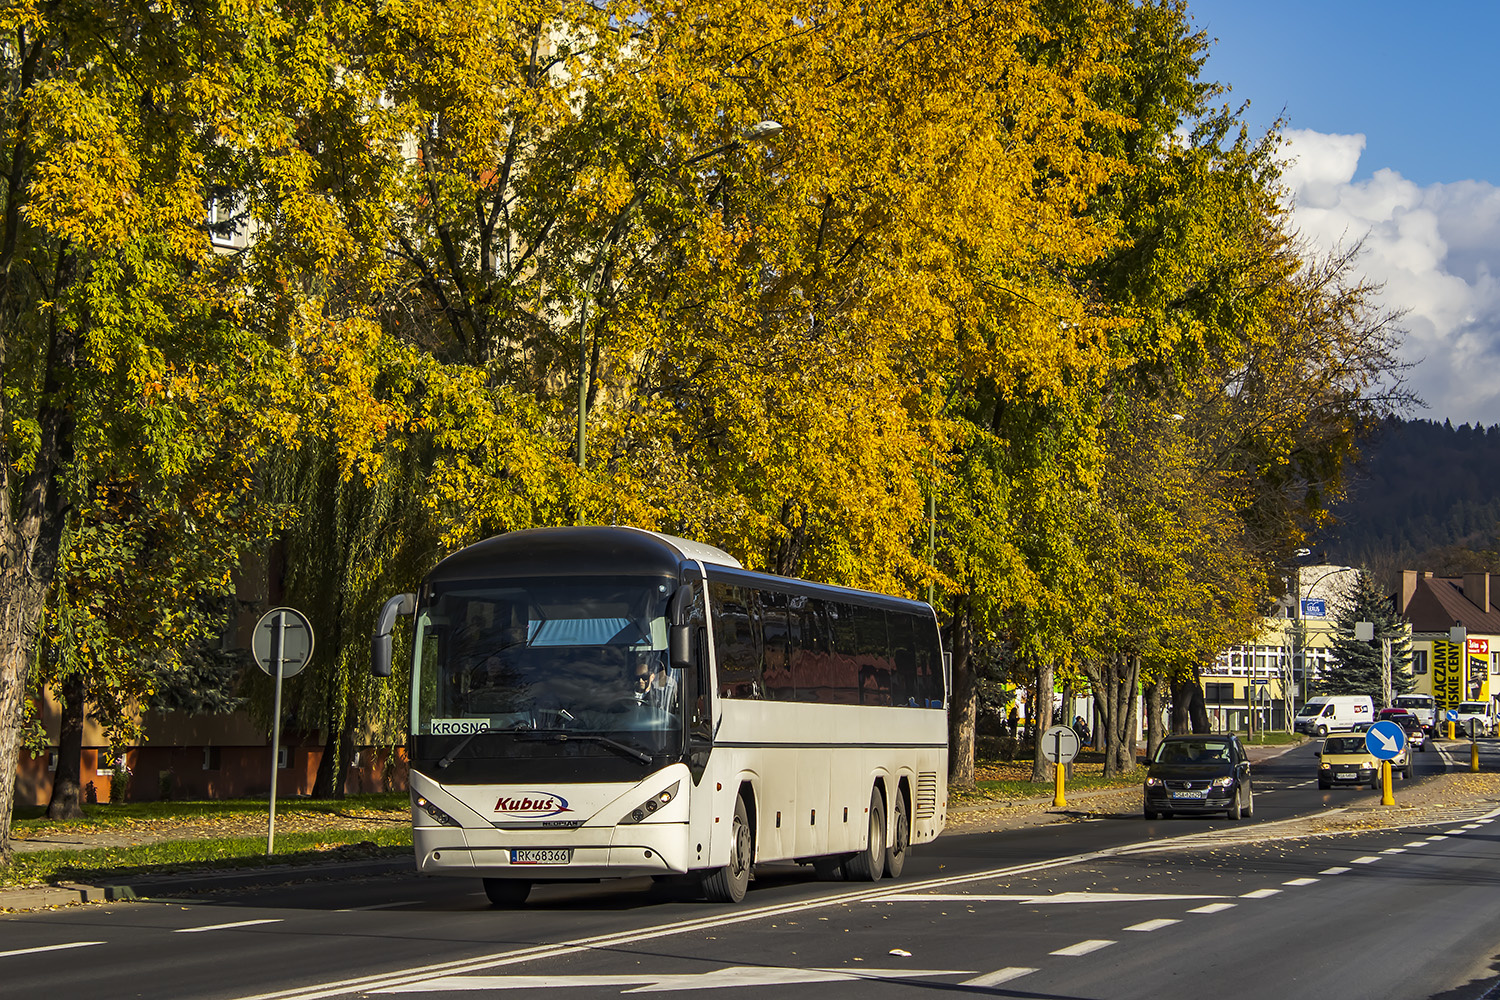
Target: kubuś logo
(533, 805)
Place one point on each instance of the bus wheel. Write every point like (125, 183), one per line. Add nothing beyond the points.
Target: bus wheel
(868, 864)
(900, 840)
(728, 884)
(507, 891)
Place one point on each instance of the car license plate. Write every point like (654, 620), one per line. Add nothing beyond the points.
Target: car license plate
(542, 856)
(1346, 775)
(1187, 795)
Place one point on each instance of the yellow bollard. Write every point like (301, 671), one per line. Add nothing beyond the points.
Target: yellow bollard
(1474, 756)
(1059, 801)
(1387, 797)
(1451, 734)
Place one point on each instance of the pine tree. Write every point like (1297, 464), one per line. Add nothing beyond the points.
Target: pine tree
(1356, 665)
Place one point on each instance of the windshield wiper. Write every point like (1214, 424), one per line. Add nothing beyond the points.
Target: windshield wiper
(458, 747)
(558, 736)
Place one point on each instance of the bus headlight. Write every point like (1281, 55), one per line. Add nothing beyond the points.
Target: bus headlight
(442, 818)
(652, 804)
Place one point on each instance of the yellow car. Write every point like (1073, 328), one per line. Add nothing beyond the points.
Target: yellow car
(1346, 760)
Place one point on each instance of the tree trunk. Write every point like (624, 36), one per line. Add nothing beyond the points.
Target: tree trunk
(1189, 713)
(1128, 713)
(1041, 768)
(31, 527)
(66, 801)
(1156, 696)
(962, 703)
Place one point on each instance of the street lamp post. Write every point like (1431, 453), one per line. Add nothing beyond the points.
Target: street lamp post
(759, 132)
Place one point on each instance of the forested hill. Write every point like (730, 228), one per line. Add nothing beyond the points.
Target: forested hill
(1425, 496)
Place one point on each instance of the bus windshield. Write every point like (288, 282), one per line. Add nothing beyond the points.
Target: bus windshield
(558, 656)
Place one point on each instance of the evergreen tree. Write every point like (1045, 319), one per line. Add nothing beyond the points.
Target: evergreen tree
(1356, 665)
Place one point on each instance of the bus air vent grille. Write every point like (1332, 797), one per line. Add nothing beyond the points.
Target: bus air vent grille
(927, 786)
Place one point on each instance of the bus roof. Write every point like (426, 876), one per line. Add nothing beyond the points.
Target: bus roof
(601, 550)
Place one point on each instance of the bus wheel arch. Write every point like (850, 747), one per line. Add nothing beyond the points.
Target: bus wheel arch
(728, 884)
(869, 864)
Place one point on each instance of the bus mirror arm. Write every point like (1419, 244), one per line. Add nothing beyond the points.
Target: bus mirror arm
(380, 641)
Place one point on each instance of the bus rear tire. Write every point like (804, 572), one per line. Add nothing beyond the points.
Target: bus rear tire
(868, 864)
(900, 839)
(728, 884)
(507, 891)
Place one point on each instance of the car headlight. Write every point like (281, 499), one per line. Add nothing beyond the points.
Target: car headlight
(1153, 782)
(652, 804)
(1223, 782)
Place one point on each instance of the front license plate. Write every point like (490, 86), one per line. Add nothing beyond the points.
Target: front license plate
(1347, 775)
(1187, 795)
(542, 856)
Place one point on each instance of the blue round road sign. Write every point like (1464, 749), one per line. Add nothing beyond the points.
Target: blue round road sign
(1385, 740)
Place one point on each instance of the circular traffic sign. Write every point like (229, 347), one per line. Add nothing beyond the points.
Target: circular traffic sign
(1060, 744)
(296, 641)
(1385, 740)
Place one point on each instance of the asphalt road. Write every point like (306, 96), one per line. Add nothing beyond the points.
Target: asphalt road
(1108, 908)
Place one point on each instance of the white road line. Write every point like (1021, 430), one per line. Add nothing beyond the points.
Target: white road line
(1153, 925)
(1437, 837)
(1459, 832)
(225, 927)
(1367, 859)
(380, 906)
(1083, 947)
(999, 976)
(1300, 881)
(1417, 843)
(1472, 826)
(1335, 870)
(1259, 893)
(1394, 850)
(1214, 908)
(48, 947)
(1039, 900)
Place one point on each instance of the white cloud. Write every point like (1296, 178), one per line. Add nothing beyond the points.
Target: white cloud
(1436, 250)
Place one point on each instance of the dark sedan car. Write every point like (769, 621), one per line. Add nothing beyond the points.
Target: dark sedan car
(1199, 774)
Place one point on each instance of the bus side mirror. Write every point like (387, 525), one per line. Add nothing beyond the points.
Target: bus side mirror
(680, 646)
(380, 640)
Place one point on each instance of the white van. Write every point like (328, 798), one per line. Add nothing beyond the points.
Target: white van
(1332, 712)
(1420, 705)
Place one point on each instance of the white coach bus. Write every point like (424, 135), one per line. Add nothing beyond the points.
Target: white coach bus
(598, 702)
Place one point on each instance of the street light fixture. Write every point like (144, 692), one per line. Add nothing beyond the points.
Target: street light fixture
(759, 132)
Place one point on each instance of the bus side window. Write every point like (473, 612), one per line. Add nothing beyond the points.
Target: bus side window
(776, 631)
(736, 645)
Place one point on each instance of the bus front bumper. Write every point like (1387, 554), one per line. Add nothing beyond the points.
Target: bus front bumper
(584, 853)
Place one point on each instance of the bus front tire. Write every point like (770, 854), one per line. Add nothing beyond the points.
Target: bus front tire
(868, 864)
(900, 839)
(507, 891)
(728, 884)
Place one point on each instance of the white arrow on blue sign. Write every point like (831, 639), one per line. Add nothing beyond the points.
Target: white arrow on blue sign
(1385, 740)
(1451, 715)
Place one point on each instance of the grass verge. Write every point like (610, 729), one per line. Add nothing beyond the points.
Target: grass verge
(110, 865)
(104, 816)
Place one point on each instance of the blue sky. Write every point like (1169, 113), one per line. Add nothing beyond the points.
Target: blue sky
(1418, 80)
(1391, 127)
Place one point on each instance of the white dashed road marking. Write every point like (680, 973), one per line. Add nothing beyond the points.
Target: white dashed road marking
(1083, 947)
(1367, 859)
(225, 927)
(1335, 870)
(1300, 881)
(999, 976)
(1213, 908)
(1259, 893)
(48, 947)
(1153, 925)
